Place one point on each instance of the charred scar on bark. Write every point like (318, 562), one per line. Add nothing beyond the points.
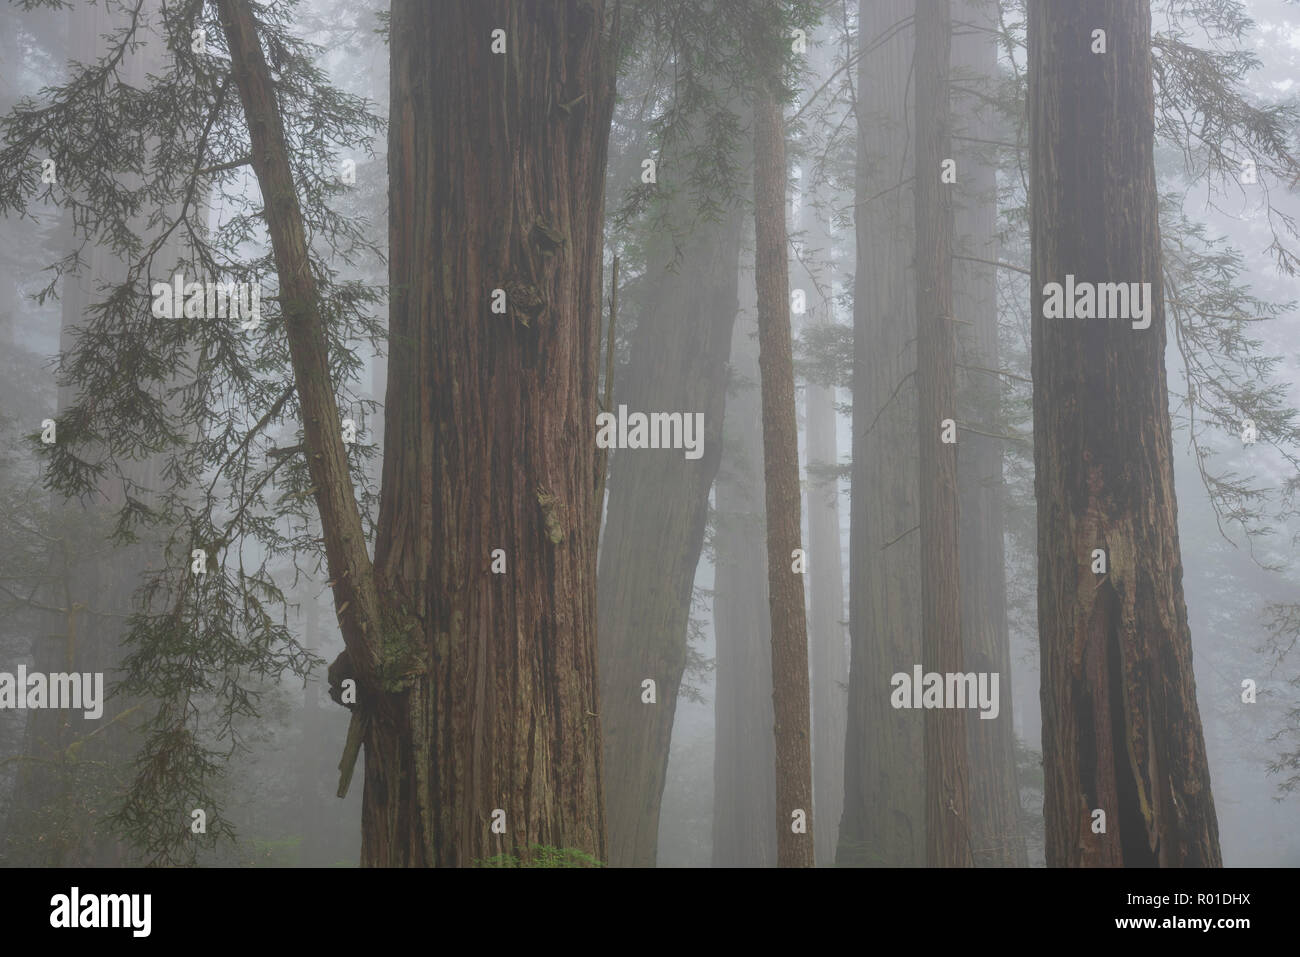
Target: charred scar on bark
(1131, 816)
(1134, 810)
(1085, 722)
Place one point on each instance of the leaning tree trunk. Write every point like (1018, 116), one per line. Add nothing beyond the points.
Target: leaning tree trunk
(947, 817)
(883, 822)
(658, 506)
(781, 475)
(1121, 731)
(996, 832)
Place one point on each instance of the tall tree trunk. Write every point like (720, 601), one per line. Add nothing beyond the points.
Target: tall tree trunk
(744, 795)
(996, 832)
(826, 631)
(1121, 731)
(496, 182)
(658, 507)
(794, 848)
(73, 767)
(477, 698)
(947, 818)
(883, 822)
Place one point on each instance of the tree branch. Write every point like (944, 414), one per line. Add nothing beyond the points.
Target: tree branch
(995, 262)
(233, 164)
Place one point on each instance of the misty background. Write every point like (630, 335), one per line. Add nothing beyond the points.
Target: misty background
(686, 299)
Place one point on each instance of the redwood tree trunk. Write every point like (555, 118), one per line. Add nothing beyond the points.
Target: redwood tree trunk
(781, 474)
(658, 506)
(947, 818)
(744, 797)
(883, 822)
(996, 830)
(476, 691)
(827, 646)
(1121, 731)
(826, 620)
(489, 433)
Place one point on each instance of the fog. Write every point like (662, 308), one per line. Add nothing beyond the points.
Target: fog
(521, 665)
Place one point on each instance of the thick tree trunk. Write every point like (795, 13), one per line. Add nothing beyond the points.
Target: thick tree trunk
(996, 832)
(883, 822)
(1121, 731)
(744, 795)
(947, 817)
(477, 691)
(658, 507)
(496, 180)
(781, 474)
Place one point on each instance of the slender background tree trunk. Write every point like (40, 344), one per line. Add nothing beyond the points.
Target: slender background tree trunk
(883, 822)
(826, 622)
(996, 834)
(744, 795)
(781, 475)
(947, 820)
(827, 634)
